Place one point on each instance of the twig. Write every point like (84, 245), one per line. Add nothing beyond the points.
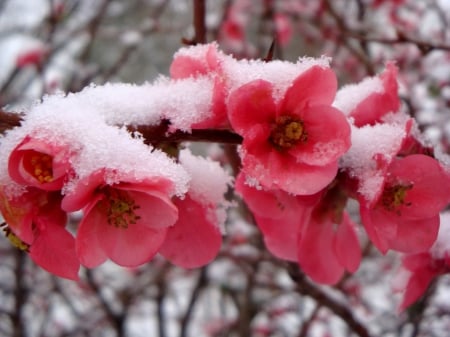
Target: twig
(306, 288)
(195, 295)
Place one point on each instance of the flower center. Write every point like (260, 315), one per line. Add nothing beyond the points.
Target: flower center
(120, 208)
(39, 165)
(286, 132)
(14, 239)
(394, 197)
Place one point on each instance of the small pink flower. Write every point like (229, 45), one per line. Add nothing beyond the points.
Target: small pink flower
(294, 144)
(405, 216)
(199, 61)
(368, 101)
(36, 224)
(125, 222)
(35, 162)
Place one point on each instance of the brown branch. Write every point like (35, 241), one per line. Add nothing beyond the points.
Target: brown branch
(9, 120)
(158, 134)
(306, 288)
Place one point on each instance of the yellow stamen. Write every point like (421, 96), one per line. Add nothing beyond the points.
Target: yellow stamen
(40, 166)
(287, 132)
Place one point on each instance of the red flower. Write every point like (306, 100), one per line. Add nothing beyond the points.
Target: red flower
(204, 60)
(294, 144)
(35, 162)
(195, 239)
(125, 222)
(35, 223)
(368, 101)
(405, 216)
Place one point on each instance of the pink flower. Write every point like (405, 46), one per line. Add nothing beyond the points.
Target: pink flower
(293, 144)
(405, 215)
(313, 231)
(35, 162)
(199, 61)
(368, 101)
(195, 239)
(35, 223)
(125, 221)
(379, 103)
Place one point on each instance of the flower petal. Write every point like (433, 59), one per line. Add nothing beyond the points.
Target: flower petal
(315, 86)
(415, 236)
(195, 239)
(250, 105)
(316, 253)
(346, 244)
(54, 251)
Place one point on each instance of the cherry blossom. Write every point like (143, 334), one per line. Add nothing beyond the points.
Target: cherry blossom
(125, 221)
(36, 162)
(294, 144)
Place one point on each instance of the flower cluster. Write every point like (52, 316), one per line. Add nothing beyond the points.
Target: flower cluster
(307, 149)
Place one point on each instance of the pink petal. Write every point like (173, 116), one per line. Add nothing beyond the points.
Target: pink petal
(380, 228)
(328, 133)
(417, 285)
(283, 172)
(280, 235)
(416, 261)
(316, 86)
(316, 253)
(250, 105)
(132, 246)
(195, 238)
(415, 236)
(87, 243)
(54, 251)
(156, 210)
(186, 66)
(346, 244)
(81, 194)
(267, 204)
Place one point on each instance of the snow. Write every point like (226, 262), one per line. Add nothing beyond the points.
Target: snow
(209, 182)
(368, 143)
(280, 73)
(349, 96)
